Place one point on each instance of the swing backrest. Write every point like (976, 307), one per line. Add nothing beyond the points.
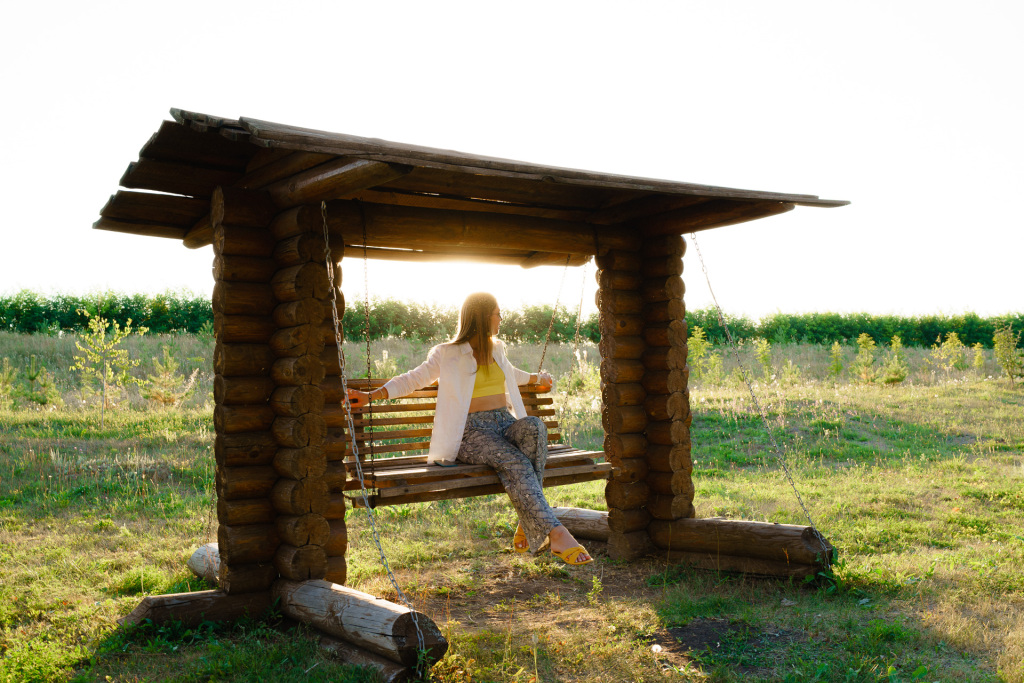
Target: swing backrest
(392, 438)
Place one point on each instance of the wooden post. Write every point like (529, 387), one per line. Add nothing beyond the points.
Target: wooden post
(667, 404)
(244, 446)
(300, 287)
(619, 303)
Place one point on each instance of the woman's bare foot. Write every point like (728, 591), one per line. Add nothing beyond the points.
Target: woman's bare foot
(562, 540)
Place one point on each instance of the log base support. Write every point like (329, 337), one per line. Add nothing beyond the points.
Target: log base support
(194, 608)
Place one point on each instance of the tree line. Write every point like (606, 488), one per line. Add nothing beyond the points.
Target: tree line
(169, 312)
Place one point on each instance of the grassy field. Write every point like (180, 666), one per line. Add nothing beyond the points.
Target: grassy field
(919, 485)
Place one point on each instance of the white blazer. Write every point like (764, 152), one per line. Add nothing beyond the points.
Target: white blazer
(454, 366)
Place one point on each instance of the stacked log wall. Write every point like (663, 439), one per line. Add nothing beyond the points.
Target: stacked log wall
(244, 445)
(300, 287)
(667, 402)
(624, 418)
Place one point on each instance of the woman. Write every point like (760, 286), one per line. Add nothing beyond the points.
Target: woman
(473, 425)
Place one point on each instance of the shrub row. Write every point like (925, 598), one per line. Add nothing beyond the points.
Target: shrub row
(184, 311)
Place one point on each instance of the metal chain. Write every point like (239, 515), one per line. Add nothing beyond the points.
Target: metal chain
(350, 424)
(757, 404)
(366, 331)
(547, 337)
(579, 314)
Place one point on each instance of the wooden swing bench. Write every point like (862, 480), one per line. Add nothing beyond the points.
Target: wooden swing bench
(392, 451)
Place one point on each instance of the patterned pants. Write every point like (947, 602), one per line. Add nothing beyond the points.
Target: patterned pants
(518, 451)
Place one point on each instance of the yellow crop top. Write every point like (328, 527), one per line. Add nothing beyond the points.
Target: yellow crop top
(490, 381)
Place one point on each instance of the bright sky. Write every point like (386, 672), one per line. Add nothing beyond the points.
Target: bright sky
(912, 110)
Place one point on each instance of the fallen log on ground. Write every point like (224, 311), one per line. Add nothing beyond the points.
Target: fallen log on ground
(379, 626)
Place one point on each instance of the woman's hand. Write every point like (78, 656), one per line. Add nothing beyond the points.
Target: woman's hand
(545, 380)
(357, 398)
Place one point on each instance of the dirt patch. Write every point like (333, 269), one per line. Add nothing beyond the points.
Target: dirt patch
(680, 646)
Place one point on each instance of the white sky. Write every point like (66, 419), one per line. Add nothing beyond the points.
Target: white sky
(912, 110)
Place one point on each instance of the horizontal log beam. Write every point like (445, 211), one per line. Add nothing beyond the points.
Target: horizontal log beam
(194, 608)
(333, 179)
(376, 625)
(417, 228)
(787, 543)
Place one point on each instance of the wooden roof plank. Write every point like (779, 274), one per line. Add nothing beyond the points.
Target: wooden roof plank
(174, 142)
(338, 143)
(135, 228)
(146, 207)
(176, 178)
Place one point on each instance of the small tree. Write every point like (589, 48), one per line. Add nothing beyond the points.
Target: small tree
(1007, 354)
(863, 366)
(7, 375)
(895, 369)
(697, 347)
(165, 386)
(41, 388)
(978, 358)
(763, 353)
(835, 366)
(949, 355)
(102, 359)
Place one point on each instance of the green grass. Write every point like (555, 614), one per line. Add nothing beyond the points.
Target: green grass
(920, 487)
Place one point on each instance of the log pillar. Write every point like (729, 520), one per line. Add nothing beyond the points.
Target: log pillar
(300, 288)
(244, 445)
(620, 307)
(646, 411)
(667, 403)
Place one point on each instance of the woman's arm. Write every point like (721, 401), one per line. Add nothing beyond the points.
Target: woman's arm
(406, 383)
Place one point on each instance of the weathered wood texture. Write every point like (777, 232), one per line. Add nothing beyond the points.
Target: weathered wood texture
(583, 523)
(379, 626)
(243, 302)
(194, 608)
(785, 543)
(620, 309)
(667, 405)
(387, 671)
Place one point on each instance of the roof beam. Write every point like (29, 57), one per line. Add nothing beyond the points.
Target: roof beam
(418, 228)
(331, 180)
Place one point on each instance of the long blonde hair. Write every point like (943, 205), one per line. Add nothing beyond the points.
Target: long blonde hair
(475, 324)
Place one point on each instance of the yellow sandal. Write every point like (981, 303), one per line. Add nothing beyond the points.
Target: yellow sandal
(520, 544)
(571, 555)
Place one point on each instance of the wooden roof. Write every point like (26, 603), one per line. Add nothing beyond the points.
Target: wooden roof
(188, 158)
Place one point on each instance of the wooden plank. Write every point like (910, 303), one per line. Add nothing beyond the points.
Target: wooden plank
(178, 143)
(488, 489)
(477, 166)
(467, 470)
(408, 460)
(713, 214)
(483, 480)
(642, 207)
(176, 178)
(163, 209)
(379, 195)
(174, 232)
